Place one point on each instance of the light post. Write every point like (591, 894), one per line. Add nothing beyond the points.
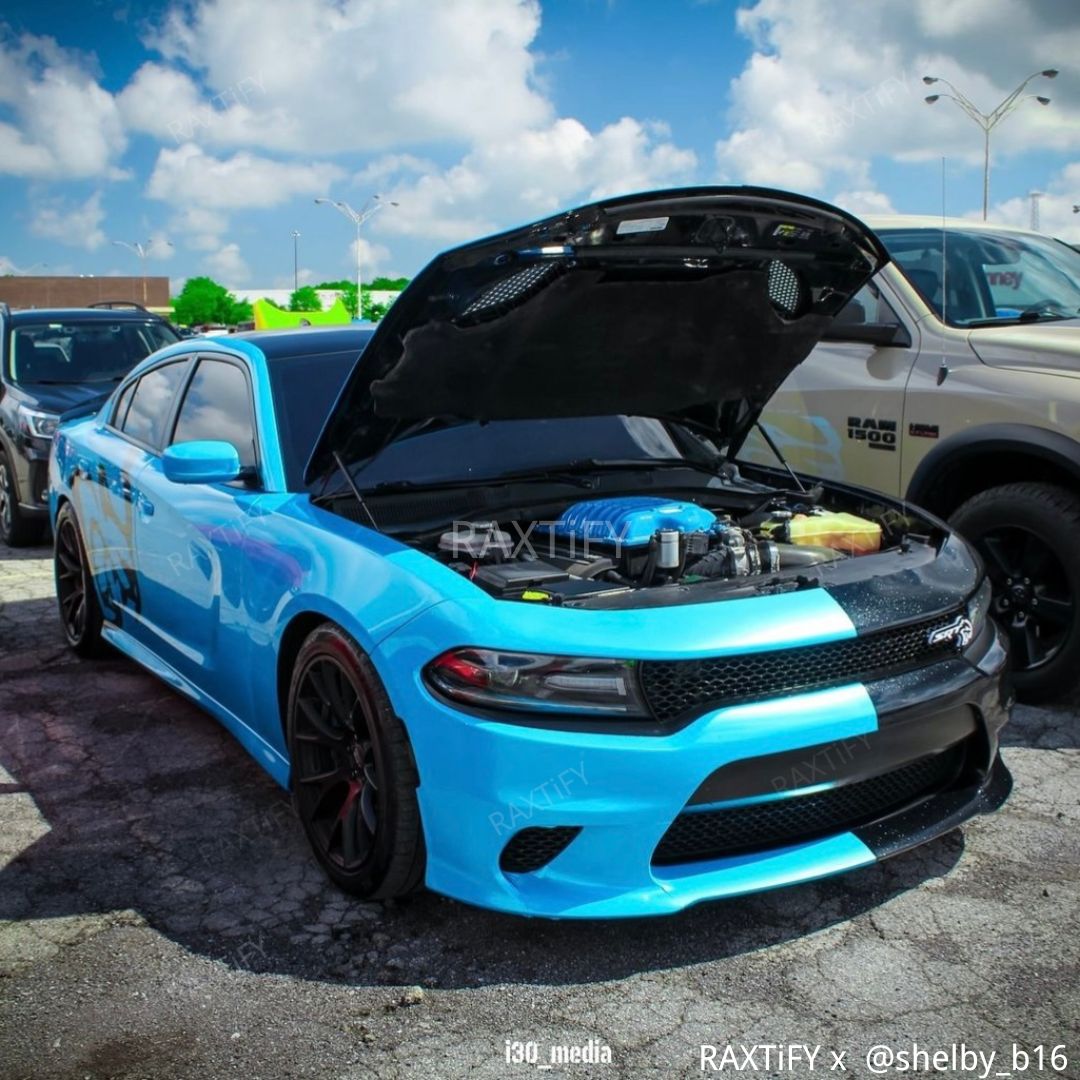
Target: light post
(989, 121)
(295, 260)
(142, 250)
(358, 217)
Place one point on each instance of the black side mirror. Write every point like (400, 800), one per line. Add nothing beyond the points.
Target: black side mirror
(868, 333)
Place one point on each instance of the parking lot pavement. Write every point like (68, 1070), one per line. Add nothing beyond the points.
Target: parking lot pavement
(160, 917)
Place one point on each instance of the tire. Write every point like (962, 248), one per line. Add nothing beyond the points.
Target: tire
(16, 529)
(353, 778)
(76, 595)
(1029, 537)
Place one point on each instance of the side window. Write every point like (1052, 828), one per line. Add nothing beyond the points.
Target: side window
(868, 306)
(151, 403)
(217, 405)
(122, 403)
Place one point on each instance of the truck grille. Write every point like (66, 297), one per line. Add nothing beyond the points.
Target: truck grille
(709, 834)
(677, 688)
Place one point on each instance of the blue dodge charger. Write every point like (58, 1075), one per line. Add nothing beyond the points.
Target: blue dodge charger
(490, 592)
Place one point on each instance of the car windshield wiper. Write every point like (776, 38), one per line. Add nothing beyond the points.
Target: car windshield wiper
(578, 473)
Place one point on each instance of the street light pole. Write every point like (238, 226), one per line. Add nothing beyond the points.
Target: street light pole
(295, 259)
(142, 250)
(989, 121)
(358, 217)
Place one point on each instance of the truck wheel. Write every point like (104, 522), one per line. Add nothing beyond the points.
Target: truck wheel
(1029, 538)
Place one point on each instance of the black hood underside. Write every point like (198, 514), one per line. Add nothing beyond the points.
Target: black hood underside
(690, 305)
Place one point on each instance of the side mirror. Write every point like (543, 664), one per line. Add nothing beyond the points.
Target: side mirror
(205, 461)
(868, 333)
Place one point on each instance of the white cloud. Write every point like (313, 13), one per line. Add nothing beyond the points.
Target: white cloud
(864, 202)
(77, 226)
(65, 125)
(188, 176)
(828, 88)
(532, 174)
(1056, 215)
(228, 266)
(372, 258)
(334, 75)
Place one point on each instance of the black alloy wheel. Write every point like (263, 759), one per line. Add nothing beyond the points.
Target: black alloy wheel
(80, 613)
(354, 784)
(1029, 537)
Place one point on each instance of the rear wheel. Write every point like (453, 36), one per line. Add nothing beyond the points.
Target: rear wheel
(16, 529)
(1029, 538)
(80, 613)
(354, 782)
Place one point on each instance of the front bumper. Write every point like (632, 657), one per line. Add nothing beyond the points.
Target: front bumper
(614, 797)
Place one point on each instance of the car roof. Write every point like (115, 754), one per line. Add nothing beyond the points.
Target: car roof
(83, 315)
(284, 344)
(928, 221)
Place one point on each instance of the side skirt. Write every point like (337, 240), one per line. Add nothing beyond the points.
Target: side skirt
(269, 758)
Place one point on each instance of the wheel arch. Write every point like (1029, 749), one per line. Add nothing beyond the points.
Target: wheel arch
(292, 638)
(989, 455)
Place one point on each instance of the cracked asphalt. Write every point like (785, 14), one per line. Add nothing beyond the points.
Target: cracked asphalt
(160, 917)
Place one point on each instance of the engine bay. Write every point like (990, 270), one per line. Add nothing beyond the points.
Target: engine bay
(601, 548)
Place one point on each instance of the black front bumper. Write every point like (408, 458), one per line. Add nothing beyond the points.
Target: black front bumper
(931, 764)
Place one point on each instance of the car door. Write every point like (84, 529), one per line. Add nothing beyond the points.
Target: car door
(839, 414)
(190, 538)
(105, 493)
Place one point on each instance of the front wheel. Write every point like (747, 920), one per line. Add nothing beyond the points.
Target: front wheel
(353, 778)
(1029, 538)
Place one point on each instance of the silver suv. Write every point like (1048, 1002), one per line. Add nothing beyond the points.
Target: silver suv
(953, 379)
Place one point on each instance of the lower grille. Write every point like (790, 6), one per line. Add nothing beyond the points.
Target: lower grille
(711, 834)
(533, 848)
(675, 688)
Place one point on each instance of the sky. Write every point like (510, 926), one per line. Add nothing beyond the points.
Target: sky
(205, 129)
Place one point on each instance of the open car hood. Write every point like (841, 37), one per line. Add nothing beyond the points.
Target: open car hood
(690, 304)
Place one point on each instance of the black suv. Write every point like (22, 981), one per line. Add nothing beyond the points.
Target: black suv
(53, 360)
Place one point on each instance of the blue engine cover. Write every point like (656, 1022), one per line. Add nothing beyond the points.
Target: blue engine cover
(631, 520)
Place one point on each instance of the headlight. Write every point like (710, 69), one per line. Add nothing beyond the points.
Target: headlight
(41, 424)
(978, 607)
(537, 683)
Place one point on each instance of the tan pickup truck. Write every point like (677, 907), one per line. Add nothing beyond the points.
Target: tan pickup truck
(953, 379)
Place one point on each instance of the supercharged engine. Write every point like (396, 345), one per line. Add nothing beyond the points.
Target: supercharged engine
(618, 544)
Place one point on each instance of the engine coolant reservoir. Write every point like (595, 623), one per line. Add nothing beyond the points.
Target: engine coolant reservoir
(842, 532)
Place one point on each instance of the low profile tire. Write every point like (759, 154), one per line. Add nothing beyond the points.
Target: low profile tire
(16, 529)
(80, 612)
(1029, 538)
(353, 778)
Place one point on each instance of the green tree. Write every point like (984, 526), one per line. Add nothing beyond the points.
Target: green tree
(305, 299)
(203, 300)
(347, 289)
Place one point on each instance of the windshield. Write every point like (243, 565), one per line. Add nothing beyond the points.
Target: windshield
(473, 451)
(90, 351)
(990, 277)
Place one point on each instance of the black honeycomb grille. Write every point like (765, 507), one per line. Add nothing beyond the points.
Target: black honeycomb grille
(676, 688)
(533, 848)
(711, 834)
(512, 290)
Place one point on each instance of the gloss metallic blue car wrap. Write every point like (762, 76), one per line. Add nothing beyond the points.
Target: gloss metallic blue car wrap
(212, 587)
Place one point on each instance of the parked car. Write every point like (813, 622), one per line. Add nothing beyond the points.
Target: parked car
(953, 379)
(514, 623)
(50, 361)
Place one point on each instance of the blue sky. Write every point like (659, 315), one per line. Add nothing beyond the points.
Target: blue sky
(205, 129)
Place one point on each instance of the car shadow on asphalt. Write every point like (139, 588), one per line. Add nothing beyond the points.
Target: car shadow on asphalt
(145, 804)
